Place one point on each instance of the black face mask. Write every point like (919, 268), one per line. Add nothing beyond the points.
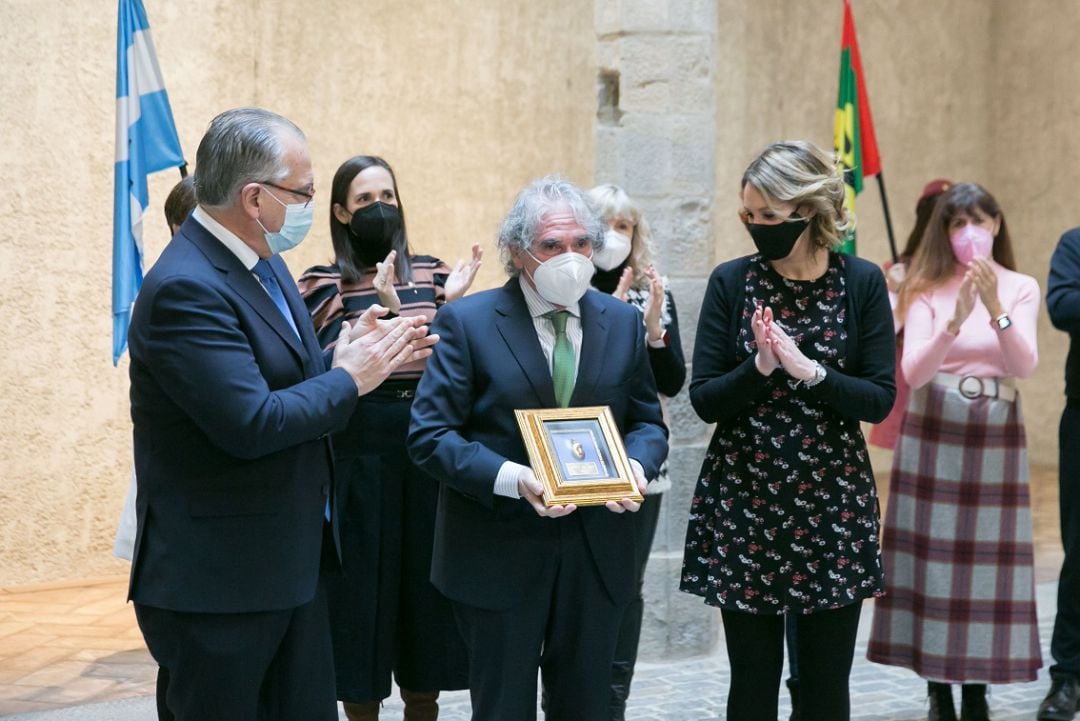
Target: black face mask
(775, 242)
(372, 230)
(606, 281)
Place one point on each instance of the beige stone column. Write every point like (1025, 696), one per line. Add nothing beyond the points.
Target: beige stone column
(655, 137)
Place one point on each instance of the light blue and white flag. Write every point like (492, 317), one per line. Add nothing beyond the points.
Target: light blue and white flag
(146, 142)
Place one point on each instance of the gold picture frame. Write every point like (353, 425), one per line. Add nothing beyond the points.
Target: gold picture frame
(578, 455)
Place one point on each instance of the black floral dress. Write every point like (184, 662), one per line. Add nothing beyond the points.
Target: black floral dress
(785, 514)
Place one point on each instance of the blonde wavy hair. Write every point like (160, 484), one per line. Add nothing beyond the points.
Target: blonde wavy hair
(801, 174)
(612, 203)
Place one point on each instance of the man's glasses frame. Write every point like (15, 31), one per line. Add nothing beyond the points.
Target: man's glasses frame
(308, 197)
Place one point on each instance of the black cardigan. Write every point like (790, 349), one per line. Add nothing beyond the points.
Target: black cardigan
(721, 388)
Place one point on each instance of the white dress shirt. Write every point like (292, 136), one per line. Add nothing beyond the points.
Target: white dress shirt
(506, 482)
(229, 239)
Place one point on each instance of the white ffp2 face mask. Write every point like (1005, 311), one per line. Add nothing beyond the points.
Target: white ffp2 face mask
(616, 249)
(562, 280)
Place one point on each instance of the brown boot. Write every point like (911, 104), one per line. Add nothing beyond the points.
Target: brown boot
(420, 705)
(362, 711)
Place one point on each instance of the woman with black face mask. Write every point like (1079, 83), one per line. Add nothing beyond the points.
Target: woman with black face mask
(794, 348)
(385, 615)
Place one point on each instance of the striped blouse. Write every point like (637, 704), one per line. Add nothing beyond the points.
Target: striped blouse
(330, 301)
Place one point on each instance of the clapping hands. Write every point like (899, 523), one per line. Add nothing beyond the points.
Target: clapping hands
(463, 274)
(654, 306)
(371, 348)
(980, 282)
(775, 348)
(383, 283)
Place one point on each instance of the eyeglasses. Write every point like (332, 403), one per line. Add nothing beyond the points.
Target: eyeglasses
(301, 193)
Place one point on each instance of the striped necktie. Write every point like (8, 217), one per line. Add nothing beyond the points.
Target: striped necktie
(562, 359)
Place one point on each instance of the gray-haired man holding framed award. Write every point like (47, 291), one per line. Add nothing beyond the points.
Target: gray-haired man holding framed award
(537, 550)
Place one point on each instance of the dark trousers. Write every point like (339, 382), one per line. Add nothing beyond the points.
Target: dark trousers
(626, 647)
(791, 636)
(266, 666)
(163, 712)
(566, 627)
(1065, 643)
(755, 646)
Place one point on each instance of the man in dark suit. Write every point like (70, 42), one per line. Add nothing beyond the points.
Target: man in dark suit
(1063, 301)
(534, 586)
(232, 401)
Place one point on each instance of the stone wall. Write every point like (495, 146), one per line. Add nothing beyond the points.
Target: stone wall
(655, 137)
(1034, 171)
(467, 103)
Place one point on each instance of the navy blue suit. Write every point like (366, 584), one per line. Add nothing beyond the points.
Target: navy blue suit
(520, 581)
(1063, 302)
(231, 413)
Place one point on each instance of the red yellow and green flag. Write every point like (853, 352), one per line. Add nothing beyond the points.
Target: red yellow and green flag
(855, 143)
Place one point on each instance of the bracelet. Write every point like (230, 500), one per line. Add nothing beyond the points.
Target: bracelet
(819, 376)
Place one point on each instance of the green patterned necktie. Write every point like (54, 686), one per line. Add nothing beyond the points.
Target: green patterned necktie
(562, 359)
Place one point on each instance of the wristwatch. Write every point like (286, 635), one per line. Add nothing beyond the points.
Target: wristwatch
(1001, 322)
(819, 375)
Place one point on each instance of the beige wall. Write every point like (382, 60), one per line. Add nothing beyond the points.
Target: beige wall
(927, 65)
(977, 91)
(467, 102)
(1034, 170)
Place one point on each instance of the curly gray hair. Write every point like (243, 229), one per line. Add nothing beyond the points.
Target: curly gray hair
(532, 204)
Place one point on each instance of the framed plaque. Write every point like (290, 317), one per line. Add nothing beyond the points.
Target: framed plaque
(578, 455)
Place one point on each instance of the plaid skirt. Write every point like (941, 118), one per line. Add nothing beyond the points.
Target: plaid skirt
(959, 604)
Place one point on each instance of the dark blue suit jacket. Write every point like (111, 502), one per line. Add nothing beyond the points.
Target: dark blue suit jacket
(488, 549)
(1063, 303)
(231, 413)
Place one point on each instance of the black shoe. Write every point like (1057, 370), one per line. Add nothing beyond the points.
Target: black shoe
(1063, 701)
(941, 702)
(793, 689)
(973, 706)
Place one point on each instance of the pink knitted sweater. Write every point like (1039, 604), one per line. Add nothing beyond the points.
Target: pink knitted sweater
(979, 349)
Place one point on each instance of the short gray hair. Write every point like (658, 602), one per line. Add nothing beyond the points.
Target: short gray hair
(539, 198)
(241, 146)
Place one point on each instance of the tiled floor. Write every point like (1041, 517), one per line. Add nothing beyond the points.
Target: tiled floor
(70, 644)
(63, 645)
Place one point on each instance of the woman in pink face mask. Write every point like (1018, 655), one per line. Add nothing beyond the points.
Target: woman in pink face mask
(957, 546)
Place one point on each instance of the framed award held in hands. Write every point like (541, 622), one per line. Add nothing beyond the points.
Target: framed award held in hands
(578, 455)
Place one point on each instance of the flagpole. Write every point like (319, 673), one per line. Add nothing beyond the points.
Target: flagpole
(888, 218)
(183, 173)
